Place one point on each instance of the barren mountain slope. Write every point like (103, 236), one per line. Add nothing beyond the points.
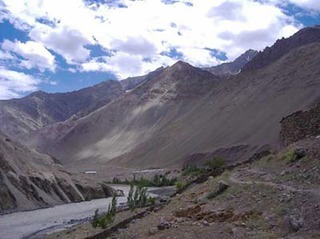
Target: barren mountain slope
(29, 180)
(131, 120)
(185, 110)
(132, 82)
(18, 116)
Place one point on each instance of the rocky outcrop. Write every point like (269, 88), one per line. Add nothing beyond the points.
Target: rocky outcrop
(300, 125)
(99, 191)
(282, 47)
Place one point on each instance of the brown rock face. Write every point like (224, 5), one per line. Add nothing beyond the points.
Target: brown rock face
(300, 125)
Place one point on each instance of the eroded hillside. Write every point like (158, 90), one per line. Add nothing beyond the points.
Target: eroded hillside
(29, 180)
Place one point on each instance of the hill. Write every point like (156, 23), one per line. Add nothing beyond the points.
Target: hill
(29, 180)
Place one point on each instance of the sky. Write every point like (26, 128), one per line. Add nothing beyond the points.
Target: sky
(65, 45)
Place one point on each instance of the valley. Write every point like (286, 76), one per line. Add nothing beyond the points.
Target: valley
(239, 144)
(54, 219)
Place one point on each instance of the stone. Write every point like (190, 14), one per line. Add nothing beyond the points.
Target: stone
(295, 223)
(152, 231)
(219, 189)
(162, 225)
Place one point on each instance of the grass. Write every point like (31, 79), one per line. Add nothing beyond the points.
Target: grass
(289, 156)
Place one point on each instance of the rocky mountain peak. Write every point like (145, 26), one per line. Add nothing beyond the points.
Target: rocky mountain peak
(233, 68)
(183, 69)
(39, 94)
(247, 56)
(283, 46)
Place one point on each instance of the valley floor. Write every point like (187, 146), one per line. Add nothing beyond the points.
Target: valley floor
(275, 197)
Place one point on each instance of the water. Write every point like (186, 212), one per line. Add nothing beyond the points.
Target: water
(23, 224)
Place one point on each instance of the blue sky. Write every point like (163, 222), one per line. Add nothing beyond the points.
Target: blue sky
(58, 45)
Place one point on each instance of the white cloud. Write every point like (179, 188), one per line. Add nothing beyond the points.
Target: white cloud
(13, 83)
(145, 29)
(135, 45)
(124, 65)
(35, 55)
(67, 42)
(308, 4)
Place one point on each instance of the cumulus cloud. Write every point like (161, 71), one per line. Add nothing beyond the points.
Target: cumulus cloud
(34, 54)
(68, 43)
(139, 32)
(135, 45)
(13, 83)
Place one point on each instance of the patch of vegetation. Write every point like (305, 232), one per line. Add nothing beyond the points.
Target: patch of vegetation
(156, 181)
(214, 165)
(289, 156)
(152, 200)
(137, 197)
(105, 220)
(192, 171)
(293, 155)
(179, 185)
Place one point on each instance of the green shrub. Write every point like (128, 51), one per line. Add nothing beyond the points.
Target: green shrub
(215, 164)
(152, 200)
(137, 197)
(293, 155)
(104, 220)
(179, 185)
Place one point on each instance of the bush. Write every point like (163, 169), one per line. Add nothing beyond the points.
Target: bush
(215, 164)
(179, 185)
(106, 219)
(293, 155)
(152, 200)
(137, 197)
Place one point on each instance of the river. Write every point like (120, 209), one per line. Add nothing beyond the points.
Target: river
(24, 224)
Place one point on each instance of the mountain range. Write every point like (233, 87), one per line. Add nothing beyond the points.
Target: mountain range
(174, 114)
